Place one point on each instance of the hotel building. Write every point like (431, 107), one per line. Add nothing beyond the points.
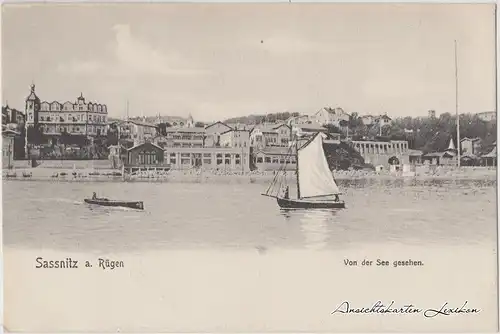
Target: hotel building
(76, 118)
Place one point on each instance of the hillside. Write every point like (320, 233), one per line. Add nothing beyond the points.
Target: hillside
(257, 119)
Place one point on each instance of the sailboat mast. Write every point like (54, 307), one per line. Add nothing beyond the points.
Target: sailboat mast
(456, 105)
(297, 169)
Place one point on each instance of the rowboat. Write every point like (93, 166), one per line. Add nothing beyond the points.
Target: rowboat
(125, 204)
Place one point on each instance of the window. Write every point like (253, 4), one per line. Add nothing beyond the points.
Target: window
(207, 161)
(219, 161)
(275, 160)
(268, 159)
(185, 161)
(207, 155)
(259, 160)
(227, 161)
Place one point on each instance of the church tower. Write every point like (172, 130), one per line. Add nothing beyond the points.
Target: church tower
(190, 121)
(32, 107)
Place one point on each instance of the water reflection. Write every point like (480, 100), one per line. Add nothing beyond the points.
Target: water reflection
(314, 225)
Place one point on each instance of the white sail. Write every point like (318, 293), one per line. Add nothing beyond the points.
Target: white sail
(314, 176)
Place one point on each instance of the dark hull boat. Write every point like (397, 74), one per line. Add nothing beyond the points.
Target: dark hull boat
(304, 204)
(124, 204)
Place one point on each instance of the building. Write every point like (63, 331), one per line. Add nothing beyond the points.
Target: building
(298, 120)
(490, 159)
(368, 119)
(383, 152)
(235, 138)
(307, 130)
(383, 120)
(222, 158)
(274, 158)
(175, 121)
(446, 158)
(214, 130)
(470, 145)
(12, 116)
(117, 155)
(333, 116)
(415, 157)
(487, 116)
(8, 148)
(136, 131)
(75, 118)
(145, 156)
(183, 137)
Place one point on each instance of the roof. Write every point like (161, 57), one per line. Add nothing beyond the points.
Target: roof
(8, 132)
(275, 151)
(331, 110)
(141, 123)
(141, 144)
(311, 127)
(438, 154)
(218, 122)
(471, 139)
(469, 156)
(185, 130)
(269, 127)
(120, 146)
(235, 130)
(492, 154)
(170, 119)
(415, 152)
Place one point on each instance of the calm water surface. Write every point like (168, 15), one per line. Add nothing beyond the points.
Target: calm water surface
(46, 215)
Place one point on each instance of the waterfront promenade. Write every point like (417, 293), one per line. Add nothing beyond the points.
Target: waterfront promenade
(100, 171)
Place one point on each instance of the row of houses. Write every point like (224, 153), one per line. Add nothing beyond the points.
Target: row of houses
(337, 117)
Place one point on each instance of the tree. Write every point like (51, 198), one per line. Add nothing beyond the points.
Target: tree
(162, 128)
(332, 128)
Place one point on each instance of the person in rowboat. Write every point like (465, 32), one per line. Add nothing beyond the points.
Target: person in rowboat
(94, 196)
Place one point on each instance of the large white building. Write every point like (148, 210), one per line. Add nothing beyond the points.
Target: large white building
(333, 116)
(76, 118)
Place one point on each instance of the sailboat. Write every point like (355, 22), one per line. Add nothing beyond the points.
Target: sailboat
(316, 186)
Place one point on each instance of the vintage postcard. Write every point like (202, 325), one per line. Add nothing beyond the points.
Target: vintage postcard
(249, 168)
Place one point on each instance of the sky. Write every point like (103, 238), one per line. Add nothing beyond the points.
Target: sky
(217, 61)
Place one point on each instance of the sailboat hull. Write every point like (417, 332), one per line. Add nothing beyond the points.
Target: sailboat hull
(304, 204)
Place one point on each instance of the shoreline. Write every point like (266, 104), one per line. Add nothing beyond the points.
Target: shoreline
(191, 176)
